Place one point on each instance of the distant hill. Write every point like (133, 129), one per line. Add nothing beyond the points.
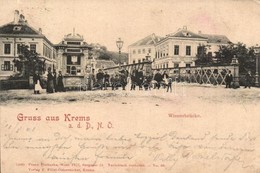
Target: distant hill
(115, 57)
(101, 53)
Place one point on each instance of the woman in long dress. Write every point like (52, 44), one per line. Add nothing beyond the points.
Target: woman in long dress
(60, 86)
(50, 85)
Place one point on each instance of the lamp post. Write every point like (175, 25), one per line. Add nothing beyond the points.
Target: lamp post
(257, 52)
(119, 44)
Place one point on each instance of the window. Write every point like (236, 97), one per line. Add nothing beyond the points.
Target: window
(176, 49)
(75, 60)
(33, 48)
(139, 60)
(176, 65)
(149, 50)
(139, 51)
(187, 65)
(200, 50)
(143, 51)
(19, 49)
(7, 48)
(134, 52)
(188, 50)
(73, 50)
(7, 66)
(73, 43)
(133, 61)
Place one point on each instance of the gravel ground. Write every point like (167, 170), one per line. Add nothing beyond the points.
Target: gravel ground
(205, 93)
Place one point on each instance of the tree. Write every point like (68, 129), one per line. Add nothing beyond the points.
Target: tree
(245, 56)
(99, 51)
(203, 58)
(28, 62)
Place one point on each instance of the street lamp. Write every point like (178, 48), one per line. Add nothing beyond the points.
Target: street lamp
(119, 44)
(257, 52)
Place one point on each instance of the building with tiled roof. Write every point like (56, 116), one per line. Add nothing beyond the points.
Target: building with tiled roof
(180, 49)
(17, 33)
(139, 50)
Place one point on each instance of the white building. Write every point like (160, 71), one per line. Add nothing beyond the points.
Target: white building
(16, 33)
(138, 51)
(180, 49)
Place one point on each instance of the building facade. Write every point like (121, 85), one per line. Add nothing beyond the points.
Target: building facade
(17, 33)
(73, 59)
(138, 51)
(180, 49)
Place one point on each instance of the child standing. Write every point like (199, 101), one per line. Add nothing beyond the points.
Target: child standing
(169, 85)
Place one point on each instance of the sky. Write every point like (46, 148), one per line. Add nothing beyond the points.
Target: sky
(104, 21)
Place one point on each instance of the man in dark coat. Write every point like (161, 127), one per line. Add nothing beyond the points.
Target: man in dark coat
(140, 79)
(123, 78)
(106, 80)
(158, 78)
(100, 78)
(248, 79)
(229, 79)
(133, 78)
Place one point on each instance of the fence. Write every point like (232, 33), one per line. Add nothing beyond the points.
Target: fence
(214, 75)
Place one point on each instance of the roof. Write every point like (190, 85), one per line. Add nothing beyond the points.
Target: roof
(149, 40)
(221, 39)
(20, 28)
(184, 33)
(74, 37)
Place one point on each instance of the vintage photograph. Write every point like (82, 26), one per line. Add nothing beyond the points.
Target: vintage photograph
(142, 86)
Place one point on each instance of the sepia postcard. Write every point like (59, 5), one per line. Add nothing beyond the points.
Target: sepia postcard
(141, 86)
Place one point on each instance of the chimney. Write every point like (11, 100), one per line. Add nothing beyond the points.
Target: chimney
(16, 16)
(22, 18)
(185, 28)
(200, 32)
(40, 30)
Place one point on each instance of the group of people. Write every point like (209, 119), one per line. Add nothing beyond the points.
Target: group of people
(104, 80)
(54, 82)
(137, 78)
